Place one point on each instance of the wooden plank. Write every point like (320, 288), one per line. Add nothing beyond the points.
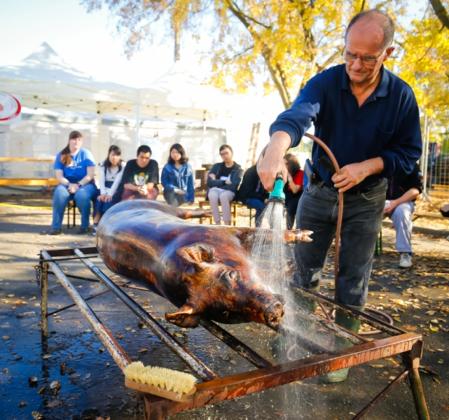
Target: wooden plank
(29, 182)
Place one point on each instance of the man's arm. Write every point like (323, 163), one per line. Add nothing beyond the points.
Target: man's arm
(271, 161)
(409, 195)
(289, 128)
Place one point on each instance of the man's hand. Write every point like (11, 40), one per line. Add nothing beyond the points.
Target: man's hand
(353, 174)
(349, 176)
(271, 160)
(390, 205)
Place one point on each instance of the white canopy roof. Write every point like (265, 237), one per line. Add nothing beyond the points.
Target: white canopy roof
(44, 80)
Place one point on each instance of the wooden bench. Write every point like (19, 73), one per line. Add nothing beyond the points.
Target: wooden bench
(27, 182)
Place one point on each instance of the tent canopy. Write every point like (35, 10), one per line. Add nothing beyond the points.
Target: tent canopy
(44, 81)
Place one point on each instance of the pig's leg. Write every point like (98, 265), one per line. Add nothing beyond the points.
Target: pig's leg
(192, 213)
(247, 235)
(184, 317)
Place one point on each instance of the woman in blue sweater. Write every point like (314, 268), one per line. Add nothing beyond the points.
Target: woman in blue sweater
(177, 178)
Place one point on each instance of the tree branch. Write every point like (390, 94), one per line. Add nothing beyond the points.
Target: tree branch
(441, 12)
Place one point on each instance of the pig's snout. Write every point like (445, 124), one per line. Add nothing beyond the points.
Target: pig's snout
(274, 314)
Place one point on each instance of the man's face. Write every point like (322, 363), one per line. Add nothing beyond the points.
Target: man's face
(226, 155)
(364, 53)
(143, 159)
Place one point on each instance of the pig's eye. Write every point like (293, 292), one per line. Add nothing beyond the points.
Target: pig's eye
(229, 277)
(233, 275)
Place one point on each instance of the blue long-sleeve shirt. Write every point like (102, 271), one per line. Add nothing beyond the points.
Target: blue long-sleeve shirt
(386, 125)
(181, 178)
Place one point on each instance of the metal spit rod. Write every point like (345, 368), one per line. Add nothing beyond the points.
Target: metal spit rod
(190, 359)
(118, 354)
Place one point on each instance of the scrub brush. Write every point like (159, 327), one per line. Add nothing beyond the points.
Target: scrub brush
(166, 383)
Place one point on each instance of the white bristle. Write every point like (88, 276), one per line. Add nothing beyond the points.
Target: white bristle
(163, 378)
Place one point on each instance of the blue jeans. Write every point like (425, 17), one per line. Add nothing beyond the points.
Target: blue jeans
(102, 206)
(82, 198)
(174, 199)
(402, 222)
(362, 217)
(255, 203)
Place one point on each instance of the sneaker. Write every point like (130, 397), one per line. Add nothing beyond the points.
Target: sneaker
(54, 232)
(405, 260)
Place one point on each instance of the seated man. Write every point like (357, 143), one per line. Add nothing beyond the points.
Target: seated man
(140, 178)
(401, 195)
(252, 193)
(223, 180)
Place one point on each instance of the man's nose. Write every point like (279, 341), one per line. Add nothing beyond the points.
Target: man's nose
(357, 64)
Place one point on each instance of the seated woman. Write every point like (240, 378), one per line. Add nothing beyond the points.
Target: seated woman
(140, 178)
(75, 170)
(293, 188)
(177, 178)
(223, 180)
(252, 193)
(110, 176)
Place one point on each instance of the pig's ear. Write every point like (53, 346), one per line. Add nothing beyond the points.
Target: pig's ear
(196, 254)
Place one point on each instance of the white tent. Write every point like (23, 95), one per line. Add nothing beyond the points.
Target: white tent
(58, 98)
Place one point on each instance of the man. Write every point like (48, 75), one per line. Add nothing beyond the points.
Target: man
(402, 192)
(370, 120)
(140, 177)
(223, 180)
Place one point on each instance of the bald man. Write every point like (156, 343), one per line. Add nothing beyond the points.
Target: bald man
(370, 120)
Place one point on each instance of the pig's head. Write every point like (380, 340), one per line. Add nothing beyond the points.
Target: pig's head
(223, 288)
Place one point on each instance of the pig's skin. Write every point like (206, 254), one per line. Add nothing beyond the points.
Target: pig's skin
(204, 270)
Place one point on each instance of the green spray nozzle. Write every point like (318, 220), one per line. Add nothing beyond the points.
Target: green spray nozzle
(278, 190)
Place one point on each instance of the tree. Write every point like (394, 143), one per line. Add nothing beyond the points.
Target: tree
(425, 63)
(279, 44)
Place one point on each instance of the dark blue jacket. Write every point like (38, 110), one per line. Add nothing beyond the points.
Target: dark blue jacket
(181, 178)
(235, 177)
(386, 125)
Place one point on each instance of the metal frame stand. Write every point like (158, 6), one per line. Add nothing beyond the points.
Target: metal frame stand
(212, 388)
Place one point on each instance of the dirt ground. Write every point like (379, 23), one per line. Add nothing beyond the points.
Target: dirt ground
(72, 376)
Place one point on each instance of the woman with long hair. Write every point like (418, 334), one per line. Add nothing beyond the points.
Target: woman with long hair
(109, 178)
(293, 188)
(177, 177)
(75, 170)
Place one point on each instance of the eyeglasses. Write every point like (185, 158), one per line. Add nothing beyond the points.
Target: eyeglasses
(367, 60)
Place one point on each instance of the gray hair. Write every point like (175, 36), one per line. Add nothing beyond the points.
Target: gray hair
(384, 20)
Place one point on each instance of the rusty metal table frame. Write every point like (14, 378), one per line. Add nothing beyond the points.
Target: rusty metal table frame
(213, 388)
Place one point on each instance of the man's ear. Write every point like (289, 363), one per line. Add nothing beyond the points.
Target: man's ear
(388, 51)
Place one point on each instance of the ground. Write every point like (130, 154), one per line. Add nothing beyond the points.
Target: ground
(72, 376)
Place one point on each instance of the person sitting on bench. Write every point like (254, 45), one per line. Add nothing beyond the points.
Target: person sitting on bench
(402, 192)
(223, 180)
(252, 193)
(74, 169)
(111, 172)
